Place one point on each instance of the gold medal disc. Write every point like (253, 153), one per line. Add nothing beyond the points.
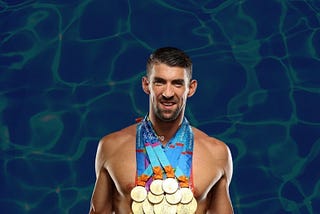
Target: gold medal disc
(138, 193)
(189, 208)
(147, 207)
(136, 207)
(155, 199)
(174, 198)
(164, 207)
(187, 195)
(156, 187)
(170, 185)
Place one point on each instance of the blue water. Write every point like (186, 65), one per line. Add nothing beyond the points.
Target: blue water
(71, 71)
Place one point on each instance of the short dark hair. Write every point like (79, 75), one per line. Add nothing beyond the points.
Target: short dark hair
(170, 56)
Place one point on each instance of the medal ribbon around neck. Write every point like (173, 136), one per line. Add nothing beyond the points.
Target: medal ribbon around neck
(159, 168)
(177, 153)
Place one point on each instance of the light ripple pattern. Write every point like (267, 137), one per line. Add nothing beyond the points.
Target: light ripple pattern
(70, 72)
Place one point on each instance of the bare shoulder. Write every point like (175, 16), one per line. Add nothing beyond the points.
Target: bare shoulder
(216, 147)
(111, 143)
(212, 151)
(118, 136)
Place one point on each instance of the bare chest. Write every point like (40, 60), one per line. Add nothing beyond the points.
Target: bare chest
(122, 170)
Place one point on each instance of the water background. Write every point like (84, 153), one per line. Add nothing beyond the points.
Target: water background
(70, 72)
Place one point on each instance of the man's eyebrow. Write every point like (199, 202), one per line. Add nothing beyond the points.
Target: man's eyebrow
(158, 79)
(175, 81)
(178, 81)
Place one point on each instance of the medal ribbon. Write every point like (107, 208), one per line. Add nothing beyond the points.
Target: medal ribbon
(177, 154)
(157, 170)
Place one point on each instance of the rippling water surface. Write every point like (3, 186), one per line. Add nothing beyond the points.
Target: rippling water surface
(70, 73)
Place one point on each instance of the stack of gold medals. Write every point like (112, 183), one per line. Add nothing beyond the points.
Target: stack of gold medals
(171, 194)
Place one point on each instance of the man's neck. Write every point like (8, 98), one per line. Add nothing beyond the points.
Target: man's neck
(165, 129)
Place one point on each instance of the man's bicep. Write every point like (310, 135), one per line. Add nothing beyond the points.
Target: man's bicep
(101, 198)
(102, 193)
(220, 199)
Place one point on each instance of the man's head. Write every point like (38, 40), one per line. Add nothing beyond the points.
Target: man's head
(172, 57)
(169, 83)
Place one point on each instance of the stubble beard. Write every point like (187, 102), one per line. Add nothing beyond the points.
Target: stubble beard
(167, 115)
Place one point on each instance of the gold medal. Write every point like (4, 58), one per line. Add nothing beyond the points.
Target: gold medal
(156, 187)
(189, 208)
(174, 198)
(187, 195)
(170, 185)
(147, 207)
(138, 193)
(164, 207)
(136, 207)
(155, 199)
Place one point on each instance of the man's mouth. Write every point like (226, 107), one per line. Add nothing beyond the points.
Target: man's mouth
(167, 104)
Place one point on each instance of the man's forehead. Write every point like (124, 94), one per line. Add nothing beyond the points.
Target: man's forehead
(165, 71)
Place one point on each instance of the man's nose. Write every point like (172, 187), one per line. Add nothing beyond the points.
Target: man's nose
(168, 92)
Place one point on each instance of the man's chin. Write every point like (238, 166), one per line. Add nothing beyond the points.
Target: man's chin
(168, 117)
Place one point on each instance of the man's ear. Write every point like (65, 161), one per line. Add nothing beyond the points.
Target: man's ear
(145, 85)
(192, 87)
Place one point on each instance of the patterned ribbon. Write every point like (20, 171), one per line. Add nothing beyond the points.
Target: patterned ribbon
(177, 152)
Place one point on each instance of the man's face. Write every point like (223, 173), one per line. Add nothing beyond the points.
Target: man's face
(168, 88)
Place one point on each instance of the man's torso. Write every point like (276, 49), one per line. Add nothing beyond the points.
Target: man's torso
(121, 166)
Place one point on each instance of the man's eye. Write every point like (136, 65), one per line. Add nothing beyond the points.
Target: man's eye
(178, 84)
(158, 83)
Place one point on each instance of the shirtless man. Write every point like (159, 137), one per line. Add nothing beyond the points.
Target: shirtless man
(168, 83)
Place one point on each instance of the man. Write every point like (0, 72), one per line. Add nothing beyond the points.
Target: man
(168, 83)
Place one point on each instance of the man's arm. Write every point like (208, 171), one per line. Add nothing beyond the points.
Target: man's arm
(220, 198)
(101, 201)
